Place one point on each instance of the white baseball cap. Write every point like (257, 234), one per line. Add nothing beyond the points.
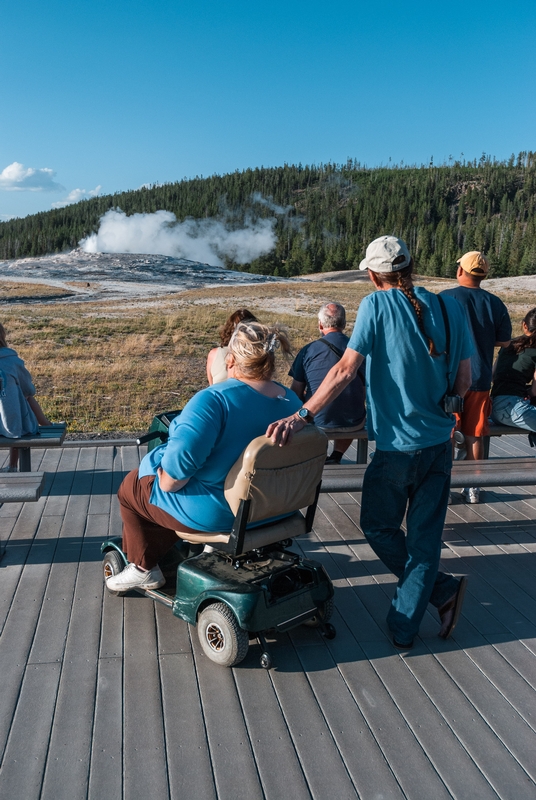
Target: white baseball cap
(383, 251)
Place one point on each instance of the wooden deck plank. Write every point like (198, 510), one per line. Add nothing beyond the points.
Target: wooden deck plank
(235, 772)
(501, 769)
(441, 745)
(106, 763)
(401, 749)
(188, 758)
(493, 707)
(69, 755)
(362, 755)
(278, 765)
(321, 761)
(29, 735)
(17, 637)
(144, 760)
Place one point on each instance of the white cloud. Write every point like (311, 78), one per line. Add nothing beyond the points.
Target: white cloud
(76, 195)
(6, 217)
(206, 240)
(18, 178)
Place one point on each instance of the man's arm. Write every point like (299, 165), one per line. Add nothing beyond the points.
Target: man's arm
(503, 344)
(298, 388)
(335, 381)
(463, 380)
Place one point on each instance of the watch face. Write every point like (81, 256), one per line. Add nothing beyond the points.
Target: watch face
(303, 413)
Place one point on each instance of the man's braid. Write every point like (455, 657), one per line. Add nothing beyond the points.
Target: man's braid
(405, 284)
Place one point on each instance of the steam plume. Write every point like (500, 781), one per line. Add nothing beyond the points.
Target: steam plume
(207, 241)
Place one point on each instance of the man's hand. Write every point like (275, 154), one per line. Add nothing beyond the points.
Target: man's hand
(281, 432)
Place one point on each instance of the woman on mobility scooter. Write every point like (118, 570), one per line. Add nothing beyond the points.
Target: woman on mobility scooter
(179, 486)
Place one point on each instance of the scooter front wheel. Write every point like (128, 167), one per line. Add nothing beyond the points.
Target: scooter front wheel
(112, 564)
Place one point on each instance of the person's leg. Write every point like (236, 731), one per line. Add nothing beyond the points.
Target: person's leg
(474, 426)
(384, 500)
(421, 582)
(514, 411)
(340, 446)
(13, 458)
(391, 480)
(148, 531)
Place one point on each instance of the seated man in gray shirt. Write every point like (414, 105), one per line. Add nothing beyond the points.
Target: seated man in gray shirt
(311, 366)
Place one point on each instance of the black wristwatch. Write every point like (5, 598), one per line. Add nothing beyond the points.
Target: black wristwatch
(305, 415)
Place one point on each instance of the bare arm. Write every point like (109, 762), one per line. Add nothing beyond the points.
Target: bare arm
(169, 484)
(335, 381)
(38, 411)
(502, 344)
(298, 388)
(210, 359)
(463, 380)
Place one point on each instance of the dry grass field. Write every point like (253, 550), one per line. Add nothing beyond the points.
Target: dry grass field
(110, 366)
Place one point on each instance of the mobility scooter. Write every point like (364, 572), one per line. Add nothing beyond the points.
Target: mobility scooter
(246, 582)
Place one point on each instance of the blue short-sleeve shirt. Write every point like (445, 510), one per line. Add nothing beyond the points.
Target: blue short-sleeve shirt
(204, 442)
(311, 366)
(405, 385)
(489, 322)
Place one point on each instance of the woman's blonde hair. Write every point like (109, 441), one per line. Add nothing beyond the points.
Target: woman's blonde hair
(253, 346)
(3, 342)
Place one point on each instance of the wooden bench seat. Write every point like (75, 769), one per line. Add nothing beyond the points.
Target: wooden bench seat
(361, 436)
(47, 436)
(491, 472)
(21, 487)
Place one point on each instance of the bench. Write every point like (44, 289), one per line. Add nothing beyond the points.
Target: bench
(47, 436)
(21, 487)
(493, 472)
(361, 438)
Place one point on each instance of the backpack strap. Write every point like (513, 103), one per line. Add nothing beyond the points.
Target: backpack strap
(339, 354)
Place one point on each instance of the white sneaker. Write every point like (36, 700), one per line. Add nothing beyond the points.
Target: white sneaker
(471, 495)
(9, 469)
(133, 578)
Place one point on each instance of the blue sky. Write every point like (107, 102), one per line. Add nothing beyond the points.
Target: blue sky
(105, 96)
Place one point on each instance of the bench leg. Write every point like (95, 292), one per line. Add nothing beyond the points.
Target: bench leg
(487, 440)
(362, 451)
(25, 461)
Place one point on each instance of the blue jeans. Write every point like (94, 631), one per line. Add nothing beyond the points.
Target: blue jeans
(516, 411)
(419, 482)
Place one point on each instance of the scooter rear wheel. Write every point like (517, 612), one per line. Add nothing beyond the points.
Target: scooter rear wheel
(325, 612)
(220, 636)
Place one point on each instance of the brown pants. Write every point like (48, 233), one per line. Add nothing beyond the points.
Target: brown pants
(148, 531)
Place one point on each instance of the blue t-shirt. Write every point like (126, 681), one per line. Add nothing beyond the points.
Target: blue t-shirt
(311, 366)
(204, 442)
(405, 385)
(489, 322)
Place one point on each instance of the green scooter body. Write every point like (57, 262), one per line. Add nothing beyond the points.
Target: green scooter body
(276, 591)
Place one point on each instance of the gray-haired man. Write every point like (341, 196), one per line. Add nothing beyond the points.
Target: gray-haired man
(311, 366)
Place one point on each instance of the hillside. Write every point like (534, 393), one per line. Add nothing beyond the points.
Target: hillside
(326, 215)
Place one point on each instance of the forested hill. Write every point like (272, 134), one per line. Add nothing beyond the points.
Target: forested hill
(328, 214)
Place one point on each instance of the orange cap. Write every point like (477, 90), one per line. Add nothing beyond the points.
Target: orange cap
(475, 263)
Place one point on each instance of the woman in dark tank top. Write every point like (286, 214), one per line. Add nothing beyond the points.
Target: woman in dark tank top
(514, 385)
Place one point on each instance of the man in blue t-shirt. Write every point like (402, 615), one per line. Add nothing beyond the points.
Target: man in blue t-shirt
(401, 329)
(490, 326)
(311, 366)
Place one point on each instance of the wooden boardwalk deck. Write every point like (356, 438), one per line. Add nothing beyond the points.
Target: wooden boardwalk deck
(109, 698)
